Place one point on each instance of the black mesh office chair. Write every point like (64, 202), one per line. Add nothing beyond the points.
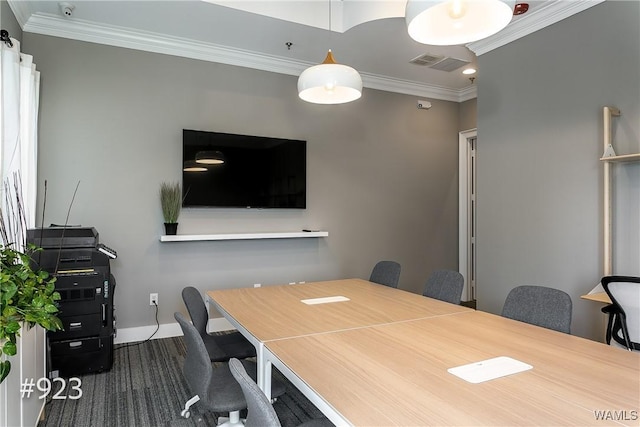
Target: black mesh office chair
(445, 285)
(623, 326)
(540, 306)
(220, 347)
(386, 273)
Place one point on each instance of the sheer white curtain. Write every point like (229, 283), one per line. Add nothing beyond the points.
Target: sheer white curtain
(19, 95)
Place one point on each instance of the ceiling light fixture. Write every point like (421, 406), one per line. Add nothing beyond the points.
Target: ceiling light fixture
(192, 166)
(454, 22)
(209, 157)
(469, 71)
(329, 82)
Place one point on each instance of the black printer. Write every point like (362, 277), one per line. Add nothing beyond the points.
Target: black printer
(81, 266)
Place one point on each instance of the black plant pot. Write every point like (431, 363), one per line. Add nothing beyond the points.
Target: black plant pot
(170, 228)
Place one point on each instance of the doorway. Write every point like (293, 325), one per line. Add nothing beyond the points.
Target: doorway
(467, 211)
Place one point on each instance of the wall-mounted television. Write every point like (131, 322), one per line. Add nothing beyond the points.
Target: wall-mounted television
(241, 171)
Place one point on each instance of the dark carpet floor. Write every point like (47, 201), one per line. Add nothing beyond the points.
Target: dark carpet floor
(145, 387)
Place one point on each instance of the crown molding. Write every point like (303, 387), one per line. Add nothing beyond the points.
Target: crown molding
(21, 11)
(549, 13)
(76, 29)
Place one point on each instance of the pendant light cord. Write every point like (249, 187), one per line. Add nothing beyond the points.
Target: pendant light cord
(330, 29)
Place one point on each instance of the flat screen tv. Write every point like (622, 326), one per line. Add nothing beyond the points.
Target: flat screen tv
(241, 171)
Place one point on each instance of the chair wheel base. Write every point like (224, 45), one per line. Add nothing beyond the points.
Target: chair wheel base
(234, 420)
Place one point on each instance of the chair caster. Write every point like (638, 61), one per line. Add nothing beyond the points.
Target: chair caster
(185, 413)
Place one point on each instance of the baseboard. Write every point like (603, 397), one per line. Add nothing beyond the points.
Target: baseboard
(166, 330)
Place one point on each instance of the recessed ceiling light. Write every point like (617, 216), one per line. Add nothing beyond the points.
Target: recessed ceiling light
(469, 71)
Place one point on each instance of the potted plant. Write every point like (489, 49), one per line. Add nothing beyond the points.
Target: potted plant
(27, 294)
(171, 201)
(27, 297)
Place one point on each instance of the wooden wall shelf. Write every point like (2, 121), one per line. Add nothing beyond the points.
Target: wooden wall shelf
(623, 158)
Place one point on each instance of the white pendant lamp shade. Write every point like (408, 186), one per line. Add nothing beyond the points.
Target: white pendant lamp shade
(453, 22)
(192, 166)
(209, 157)
(329, 83)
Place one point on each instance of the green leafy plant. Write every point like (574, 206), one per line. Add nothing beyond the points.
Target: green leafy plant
(171, 201)
(27, 297)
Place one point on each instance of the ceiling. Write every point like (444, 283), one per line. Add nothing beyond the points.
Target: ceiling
(369, 35)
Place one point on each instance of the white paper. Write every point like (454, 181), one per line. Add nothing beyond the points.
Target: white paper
(489, 369)
(598, 289)
(324, 300)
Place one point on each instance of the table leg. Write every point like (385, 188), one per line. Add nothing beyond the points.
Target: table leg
(267, 378)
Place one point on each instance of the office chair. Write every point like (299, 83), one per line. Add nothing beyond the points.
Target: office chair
(540, 306)
(445, 285)
(214, 386)
(623, 325)
(260, 412)
(220, 347)
(386, 273)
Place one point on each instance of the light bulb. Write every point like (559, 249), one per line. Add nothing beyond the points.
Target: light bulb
(457, 9)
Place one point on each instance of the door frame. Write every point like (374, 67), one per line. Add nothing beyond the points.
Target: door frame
(464, 225)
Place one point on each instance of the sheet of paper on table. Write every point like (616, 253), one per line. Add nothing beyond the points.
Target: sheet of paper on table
(324, 300)
(489, 369)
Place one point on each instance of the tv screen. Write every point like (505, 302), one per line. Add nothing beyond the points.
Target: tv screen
(227, 170)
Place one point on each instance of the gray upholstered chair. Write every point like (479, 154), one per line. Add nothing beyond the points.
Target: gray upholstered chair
(540, 306)
(445, 285)
(214, 386)
(386, 273)
(220, 347)
(624, 312)
(260, 412)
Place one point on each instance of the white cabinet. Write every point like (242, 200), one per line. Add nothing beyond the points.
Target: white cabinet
(29, 363)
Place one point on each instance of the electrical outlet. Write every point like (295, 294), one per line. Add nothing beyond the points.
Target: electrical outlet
(257, 285)
(153, 299)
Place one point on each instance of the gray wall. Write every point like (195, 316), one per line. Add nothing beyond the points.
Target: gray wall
(468, 114)
(8, 21)
(382, 175)
(540, 135)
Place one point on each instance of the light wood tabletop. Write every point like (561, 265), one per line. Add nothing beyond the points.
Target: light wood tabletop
(597, 297)
(278, 312)
(396, 374)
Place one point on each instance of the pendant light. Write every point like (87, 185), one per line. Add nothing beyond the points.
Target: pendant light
(209, 157)
(453, 22)
(192, 166)
(329, 82)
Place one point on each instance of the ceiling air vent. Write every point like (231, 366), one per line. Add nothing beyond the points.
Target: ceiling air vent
(438, 62)
(449, 64)
(427, 59)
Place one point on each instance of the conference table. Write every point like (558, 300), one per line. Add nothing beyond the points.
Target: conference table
(370, 355)
(278, 312)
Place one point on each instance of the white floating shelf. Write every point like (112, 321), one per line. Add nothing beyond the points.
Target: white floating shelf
(243, 236)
